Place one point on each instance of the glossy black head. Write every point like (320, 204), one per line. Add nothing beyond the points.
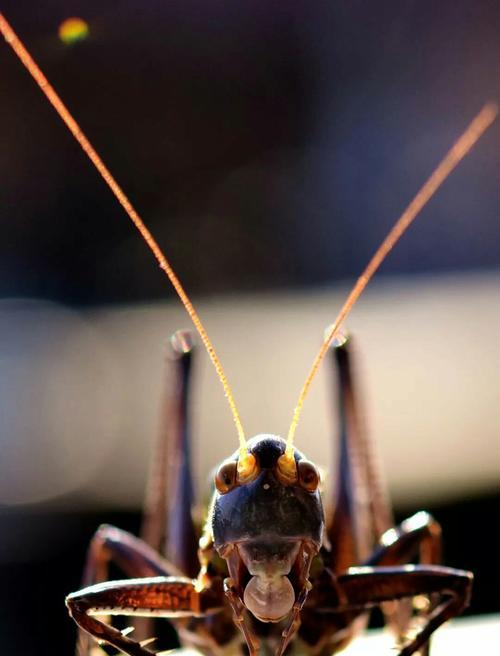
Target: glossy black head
(265, 508)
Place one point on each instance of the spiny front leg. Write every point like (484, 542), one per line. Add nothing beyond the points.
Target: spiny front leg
(420, 536)
(365, 587)
(148, 597)
(302, 567)
(133, 556)
(239, 616)
(294, 621)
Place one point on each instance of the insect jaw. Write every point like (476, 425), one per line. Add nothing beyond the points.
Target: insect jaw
(267, 574)
(269, 599)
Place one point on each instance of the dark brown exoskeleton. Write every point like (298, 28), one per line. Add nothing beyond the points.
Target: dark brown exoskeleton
(267, 570)
(287, 580)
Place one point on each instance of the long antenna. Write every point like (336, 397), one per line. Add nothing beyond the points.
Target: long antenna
(35, 71)
(456, 153)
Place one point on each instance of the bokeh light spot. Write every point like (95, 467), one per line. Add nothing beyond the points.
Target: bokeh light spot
(72, 30)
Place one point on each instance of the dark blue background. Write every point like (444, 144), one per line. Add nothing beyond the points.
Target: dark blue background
(266, 144)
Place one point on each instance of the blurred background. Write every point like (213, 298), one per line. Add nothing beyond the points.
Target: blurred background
(269, 147)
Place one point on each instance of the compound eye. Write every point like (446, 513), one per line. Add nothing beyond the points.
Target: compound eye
(225, 479)
(308, 475)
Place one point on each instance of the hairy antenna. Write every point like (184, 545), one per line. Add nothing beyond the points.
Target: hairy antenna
(35, 71)
(456, 153)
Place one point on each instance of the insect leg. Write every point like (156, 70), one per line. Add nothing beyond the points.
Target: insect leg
(160, 596)
(420, 534)
(239, 616)
(365, 587)
(167, 522)
(304, 561)
(133, 556)
(361, 508)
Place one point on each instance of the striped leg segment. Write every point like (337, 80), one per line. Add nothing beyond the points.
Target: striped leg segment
(167, 522)
(365, 587)
(361, 508)
(148, 597)
(133, 556)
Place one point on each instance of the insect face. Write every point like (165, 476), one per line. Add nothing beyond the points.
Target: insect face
(264, 526)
